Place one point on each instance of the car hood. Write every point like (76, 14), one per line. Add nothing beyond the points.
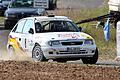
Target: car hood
(62, 36)
(24, 10)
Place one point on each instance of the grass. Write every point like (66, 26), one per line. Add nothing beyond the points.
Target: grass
(1, 20)
(107, 50)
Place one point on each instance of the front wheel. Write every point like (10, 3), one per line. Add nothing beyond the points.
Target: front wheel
(37, 54)
(91, 60)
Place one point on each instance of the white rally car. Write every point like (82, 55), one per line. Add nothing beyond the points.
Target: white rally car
(51, 37)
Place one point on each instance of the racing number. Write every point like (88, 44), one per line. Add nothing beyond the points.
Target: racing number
(25, 43)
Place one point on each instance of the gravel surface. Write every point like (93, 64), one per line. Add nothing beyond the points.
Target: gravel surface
(24, 70)
(12, 70)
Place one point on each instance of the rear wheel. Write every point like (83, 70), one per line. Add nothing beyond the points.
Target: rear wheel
(37, 54)
(91, 60)
(11, 53)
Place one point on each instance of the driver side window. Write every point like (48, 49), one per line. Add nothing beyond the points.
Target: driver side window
(27, 26)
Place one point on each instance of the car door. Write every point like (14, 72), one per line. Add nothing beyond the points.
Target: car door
(27, 38)
(16, 32)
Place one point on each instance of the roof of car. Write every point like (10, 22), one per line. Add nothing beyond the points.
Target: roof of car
(47, 18)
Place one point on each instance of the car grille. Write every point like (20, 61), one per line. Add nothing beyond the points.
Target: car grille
(20, 15)
(71, 43)
(80, 52)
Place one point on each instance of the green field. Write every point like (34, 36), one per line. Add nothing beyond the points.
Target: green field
(1, 20)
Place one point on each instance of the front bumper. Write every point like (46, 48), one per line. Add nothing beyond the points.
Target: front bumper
(62, 52)
(2, 11)
(10, 21)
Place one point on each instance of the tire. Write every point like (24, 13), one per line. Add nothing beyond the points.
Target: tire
(11, 53)
(37, 54)
(91, 60)
(7, 25)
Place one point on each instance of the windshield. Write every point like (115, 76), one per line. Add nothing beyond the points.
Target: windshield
(5, 0)
(21, 3)
(56, 26)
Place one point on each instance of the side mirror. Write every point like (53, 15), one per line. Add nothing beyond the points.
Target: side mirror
(31, 31)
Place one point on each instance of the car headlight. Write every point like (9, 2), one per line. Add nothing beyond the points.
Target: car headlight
(40, 11)
(54, 43)
(88, 41)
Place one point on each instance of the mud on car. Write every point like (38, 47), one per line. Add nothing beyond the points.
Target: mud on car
(51, 37)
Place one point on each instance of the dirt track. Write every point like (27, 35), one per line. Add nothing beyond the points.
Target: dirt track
(12, 70)
(56, 71)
